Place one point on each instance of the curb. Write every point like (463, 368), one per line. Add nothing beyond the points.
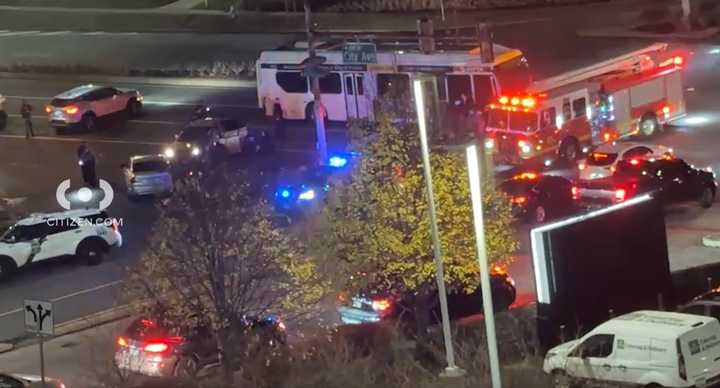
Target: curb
(711, 240)
(623, 32)
(187, 82)
(74, 326)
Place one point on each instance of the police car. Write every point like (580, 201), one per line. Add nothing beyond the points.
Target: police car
(86, 233)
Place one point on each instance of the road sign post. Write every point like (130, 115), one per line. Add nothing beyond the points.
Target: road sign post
(39, 320)
(318, 110)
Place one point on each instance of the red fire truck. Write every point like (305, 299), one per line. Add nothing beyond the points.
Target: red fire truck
(636, 93)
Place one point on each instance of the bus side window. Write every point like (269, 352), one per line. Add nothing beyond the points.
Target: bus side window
(292, 81)
(548, 118)
(360, 87)
(330, 84)
(483, 90)
(441, 80)
(393, 85)
(457, 85)
(567, 113)
(579, 107)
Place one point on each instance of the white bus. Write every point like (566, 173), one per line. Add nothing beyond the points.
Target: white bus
(351, 90)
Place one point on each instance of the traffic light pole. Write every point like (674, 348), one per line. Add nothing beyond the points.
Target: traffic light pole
(319, 112)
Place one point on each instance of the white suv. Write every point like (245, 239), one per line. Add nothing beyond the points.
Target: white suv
(83, 105)
(86, 233)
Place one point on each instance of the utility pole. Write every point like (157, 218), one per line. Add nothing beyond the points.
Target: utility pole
(318, 109)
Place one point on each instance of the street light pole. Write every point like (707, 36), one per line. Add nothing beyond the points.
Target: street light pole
(476, 196)
(319, 112)
(451, 370)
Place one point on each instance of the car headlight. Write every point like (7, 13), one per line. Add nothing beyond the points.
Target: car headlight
(307, 195)
(489, 143)
(169, 152)
(195, 151)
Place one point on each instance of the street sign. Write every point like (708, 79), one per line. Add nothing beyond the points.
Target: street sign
(355, 52)
(39, 317)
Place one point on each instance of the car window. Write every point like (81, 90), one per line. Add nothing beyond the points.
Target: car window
(150, 166)
(697, 309)
(22, 233)
(330, 84)
(292, 81)
(9, 382)
(598, 346)
(61, 225)
(104, 93)
(548, 117)
(143, 329)
(62, 102)
(579, 107)
(229, 125)
(555, 186)
(637, 152)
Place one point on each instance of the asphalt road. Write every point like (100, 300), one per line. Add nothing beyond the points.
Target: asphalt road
(32, 169)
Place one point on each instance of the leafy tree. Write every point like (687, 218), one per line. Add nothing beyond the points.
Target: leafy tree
(377, 222)
(215, 256)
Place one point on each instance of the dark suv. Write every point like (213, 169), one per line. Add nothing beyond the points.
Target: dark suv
(149, 347)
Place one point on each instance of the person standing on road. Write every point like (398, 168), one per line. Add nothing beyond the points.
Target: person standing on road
(26, 114)
(86, 160)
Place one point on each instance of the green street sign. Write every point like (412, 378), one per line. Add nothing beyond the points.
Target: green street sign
(362, 53)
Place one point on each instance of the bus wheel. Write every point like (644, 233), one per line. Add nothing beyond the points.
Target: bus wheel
(649, 125)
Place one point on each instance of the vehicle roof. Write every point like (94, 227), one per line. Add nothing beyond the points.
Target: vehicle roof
(618, 147)
(654, 322)
(78, 91)
(147, 158)
(36, 218)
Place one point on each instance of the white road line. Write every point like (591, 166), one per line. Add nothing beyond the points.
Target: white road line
(51, 33)
(81, 140)
(93, 33)
(18, 33)
(81, 292)
(159, 122)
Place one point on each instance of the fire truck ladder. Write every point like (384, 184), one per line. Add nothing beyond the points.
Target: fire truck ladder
(633, 61)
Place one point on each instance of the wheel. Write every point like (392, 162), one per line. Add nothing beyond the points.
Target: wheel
(649, 125)
(569, 150)
(541, 214)
(707, 198)
(560, 379)
(3, 120)
(89, 122)
(91, 251)
(7, 267)
(186, 366)
(133, 108)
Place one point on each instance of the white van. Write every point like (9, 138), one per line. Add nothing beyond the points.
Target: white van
(644, 349)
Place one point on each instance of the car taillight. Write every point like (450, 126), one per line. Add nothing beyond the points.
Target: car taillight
(71, 110)
(574, 190)
(581, 166)
(48, 109)
(380, 305)
(634, 162)
(682, 371)
(620, 195)
(122, 342)
(519, 200)
(156, 347)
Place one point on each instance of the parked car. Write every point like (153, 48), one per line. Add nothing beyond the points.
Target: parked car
(21, 380)
(151, 348)
(602, 161)
(84, 105)
(3, 114)
(87, 234)
(641, 349)
(707, 304)
(375, 306)
(148, 175)
(670, 179)
(539, 197)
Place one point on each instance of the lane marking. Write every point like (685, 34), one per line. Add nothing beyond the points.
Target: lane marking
(58, 299)
(18, 33)
(159, 122)
(92, 33)
(81, 140)
(51, 33)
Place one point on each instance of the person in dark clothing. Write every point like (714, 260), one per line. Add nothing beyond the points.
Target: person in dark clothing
(86, 160)
(461, 107)
(26, 114)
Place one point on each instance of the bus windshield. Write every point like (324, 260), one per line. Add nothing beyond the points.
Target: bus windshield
(512, 121)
